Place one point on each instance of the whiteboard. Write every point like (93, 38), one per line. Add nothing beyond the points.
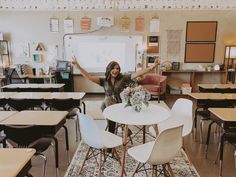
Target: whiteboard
(95, 52)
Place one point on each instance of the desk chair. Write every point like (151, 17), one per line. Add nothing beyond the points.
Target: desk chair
(31, 137)
(3, 103)
(229, 136)
(14, 78)
(158, 152)
(204, 114)
(235, 159)
(3, 141)
(97, 139)
(181, 113)
(70, 105)
(24, 104)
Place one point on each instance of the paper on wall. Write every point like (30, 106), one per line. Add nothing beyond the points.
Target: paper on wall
(54, 25)
(1, 36)
(52, 52)
(154, 25)
(22, 50)
(68, 26)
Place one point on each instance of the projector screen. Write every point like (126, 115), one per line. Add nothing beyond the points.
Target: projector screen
(95, 52)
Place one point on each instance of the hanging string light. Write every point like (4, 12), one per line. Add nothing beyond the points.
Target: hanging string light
(117, 4)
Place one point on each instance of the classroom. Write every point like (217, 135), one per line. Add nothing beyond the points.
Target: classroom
(117, 88)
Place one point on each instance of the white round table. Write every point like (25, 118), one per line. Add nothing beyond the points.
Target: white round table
(153, 114)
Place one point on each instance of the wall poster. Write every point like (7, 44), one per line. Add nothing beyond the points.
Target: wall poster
(139, 24)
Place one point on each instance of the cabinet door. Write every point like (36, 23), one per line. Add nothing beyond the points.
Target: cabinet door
(152, 49)
(4, 54)
(4, 48)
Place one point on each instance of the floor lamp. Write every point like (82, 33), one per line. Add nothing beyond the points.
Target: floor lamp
(230, 57)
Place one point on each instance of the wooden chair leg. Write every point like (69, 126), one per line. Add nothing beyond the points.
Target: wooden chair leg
(136, 169)
(144, 134)
(100, 164)
(154, 171)
(118, 158)
(170, 170)
(84, 160)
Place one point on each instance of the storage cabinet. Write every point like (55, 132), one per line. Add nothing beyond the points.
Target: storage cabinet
(152, 49)
(4, 54)
(193, 77)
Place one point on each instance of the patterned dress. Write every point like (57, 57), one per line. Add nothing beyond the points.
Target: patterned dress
(112, 92)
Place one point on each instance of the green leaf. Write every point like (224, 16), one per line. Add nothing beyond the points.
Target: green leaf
(127, 104)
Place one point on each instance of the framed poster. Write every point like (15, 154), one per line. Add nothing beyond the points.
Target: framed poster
(124, 24)
(54, 25)
(68, 26)
(199, 52)
(201, 31)
(139, 24)
(85, 24)
(155, 25)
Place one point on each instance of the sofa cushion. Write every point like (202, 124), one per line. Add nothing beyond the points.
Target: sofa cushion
(150, 79)
(152, 88)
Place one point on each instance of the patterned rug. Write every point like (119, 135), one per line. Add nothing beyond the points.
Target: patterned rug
(180, 165)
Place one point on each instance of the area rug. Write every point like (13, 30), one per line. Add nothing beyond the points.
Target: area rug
(180, 165)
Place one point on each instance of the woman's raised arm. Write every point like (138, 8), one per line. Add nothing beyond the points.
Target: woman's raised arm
(146, 70)
(94, 79)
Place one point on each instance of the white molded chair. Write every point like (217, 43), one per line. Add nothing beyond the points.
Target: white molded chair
(97, 139)
(180, 114)
(158, 152)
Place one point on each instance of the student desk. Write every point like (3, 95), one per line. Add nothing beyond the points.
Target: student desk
(26, 100)
(15, 162)
(5, 114)
(213, 96)
(65, 100)
(206, 100)
(29, 95)
(38, 78)
(4, 96)
(226, 118)
(33, 87)
(38, 98)
(30, 78)
(217, 88)
(48, 122)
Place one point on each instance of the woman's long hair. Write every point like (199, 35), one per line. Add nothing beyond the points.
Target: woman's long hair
(109, 67)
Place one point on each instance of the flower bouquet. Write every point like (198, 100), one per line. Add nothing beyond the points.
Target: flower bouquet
(135, 97)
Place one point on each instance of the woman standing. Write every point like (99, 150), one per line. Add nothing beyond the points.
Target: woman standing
(113, 83)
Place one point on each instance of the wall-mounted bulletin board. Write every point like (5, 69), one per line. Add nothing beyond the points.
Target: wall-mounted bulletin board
(201, 31)
(200, 41)
(199, 52)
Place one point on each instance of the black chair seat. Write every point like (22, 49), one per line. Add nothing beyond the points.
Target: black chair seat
(3, 141)
(204, 113)
(42, 145)
(31, 137)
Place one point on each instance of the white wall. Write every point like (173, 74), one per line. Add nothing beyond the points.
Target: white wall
(33, 27)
